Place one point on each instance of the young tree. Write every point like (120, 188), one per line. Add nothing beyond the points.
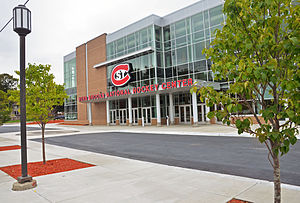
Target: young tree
(257, 52)
(42, 95)
(4, 108)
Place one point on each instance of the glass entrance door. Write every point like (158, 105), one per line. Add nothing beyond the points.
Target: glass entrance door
(113, 116)
(135, 116)
(185, 114)
(123, 116)
(147, 115)
(201, 113)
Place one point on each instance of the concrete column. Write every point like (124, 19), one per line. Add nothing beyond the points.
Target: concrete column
(90, 113)
(195, 108)
(107, 113)
(130, 110)
(89, 105)
(171, 108)
(158, 110)
(207, 110)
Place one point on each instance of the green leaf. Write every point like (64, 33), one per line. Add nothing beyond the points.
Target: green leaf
(293, 140)
(229, 107)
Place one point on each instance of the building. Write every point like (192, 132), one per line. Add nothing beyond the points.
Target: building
(142, 73)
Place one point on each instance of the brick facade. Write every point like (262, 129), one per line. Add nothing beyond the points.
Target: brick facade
(96, 52)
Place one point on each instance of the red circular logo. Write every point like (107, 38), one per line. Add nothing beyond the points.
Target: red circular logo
(120, 74)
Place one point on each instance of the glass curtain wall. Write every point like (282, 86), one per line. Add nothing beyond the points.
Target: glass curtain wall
(70, 104)
(183, 44)
(143, 72)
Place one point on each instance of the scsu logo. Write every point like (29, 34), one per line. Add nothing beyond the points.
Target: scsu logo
(120, 74)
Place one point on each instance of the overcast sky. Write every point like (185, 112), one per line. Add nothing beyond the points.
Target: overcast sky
(58, 26)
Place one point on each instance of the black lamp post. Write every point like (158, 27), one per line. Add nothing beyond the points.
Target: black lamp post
(22, 26)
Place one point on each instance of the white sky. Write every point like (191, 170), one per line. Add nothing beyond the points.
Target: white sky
(59, 26)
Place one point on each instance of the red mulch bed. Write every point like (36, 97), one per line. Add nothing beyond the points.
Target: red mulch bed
(52, 166)
(238, 201)
(13, 147)
(52, 121)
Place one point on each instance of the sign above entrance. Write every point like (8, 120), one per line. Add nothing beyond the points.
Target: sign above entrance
(139, 90)
(120, 74)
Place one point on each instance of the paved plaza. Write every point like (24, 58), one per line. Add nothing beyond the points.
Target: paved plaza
(117, 179)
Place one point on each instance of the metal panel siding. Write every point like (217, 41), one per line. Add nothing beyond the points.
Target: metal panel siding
(70, 56)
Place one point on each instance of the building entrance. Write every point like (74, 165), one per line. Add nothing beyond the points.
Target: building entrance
(147, 115)
(135, 116)
(123, 116)
(113, 116)
(201, 112)
(185, 114)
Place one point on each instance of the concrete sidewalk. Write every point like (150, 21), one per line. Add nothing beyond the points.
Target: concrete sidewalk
(115, 179)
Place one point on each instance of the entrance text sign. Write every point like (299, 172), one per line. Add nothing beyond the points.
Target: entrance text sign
(139, 90)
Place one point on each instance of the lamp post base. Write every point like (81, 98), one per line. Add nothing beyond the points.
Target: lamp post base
(22, 179)
(17, 186)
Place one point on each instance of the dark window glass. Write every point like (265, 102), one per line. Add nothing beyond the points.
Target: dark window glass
(168, 59)
(160, 72)
(167, 33)
(183, 69)
(159, 59)
(174, 71)
(191, 68)
(200, 66)
(122, 103)
(167, 46)
(201, 76)
(152, 72)
(157, 33)
(145, 74)
(168, 72)
(209, 64)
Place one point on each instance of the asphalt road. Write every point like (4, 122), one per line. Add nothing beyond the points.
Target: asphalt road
(8, 129)
(228, 155)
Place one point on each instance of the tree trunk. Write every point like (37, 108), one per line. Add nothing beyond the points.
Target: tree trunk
(277, 187)
(43, 143)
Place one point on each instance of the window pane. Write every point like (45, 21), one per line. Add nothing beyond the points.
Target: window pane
(157, 33)
(198, 51)
(216, 16)
(200, 66)
(143, 36)
(198, 36)
(197, 22)
(180, 28)
(182, 56)
(167, 33)
(168, 59)
(181, 41)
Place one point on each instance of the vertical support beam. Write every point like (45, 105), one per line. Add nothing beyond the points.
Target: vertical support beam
(195, 108)
(207, 110)
(158, 110)
(171, 108)
(89, 105)
(107, 113)
(130, 110)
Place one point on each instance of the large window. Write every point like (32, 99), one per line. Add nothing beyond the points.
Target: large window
(130, 43)
(184, 42)
(70, 104)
